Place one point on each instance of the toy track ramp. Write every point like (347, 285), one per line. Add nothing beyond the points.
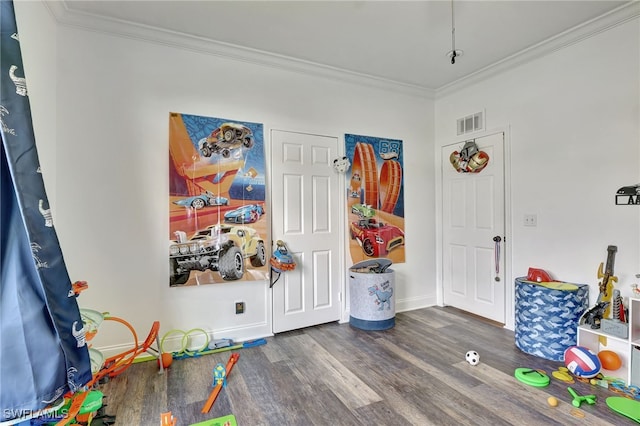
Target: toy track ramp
(198, 173)
(117, 364)
(364, 164)
(390, 184)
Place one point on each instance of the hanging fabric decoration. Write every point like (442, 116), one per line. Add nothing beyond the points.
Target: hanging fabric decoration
(470, 159)
(43, 353)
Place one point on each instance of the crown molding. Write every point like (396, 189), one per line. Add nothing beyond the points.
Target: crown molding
(91, 22)
(618, 16)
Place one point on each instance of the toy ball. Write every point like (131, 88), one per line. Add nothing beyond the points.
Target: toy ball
(472, 357)
(341, 164)
(582, 362)
(609, 360)
(552, 401)
(167, 359)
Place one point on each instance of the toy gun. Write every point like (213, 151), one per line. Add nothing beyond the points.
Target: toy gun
(594, 316)
(607, 278)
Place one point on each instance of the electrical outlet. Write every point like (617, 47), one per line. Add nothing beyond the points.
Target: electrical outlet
(530, 220)
(239, 308)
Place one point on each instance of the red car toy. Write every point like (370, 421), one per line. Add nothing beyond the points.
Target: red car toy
(376, 238)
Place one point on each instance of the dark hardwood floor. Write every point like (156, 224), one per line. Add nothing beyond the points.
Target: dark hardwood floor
(334, 374)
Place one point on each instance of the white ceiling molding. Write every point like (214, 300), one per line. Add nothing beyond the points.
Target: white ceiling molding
(90, 22)
(574, 35)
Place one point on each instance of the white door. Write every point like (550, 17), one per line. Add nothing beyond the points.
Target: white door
(305, 215)
(473, 213)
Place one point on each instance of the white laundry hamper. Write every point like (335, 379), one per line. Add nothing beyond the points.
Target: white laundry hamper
(372, 300)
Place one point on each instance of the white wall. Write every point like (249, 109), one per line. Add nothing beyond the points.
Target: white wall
(574, 139)
(39, 59)
(574, 133)
(114, 96)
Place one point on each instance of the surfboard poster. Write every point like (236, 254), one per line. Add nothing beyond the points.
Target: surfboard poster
(218, 222)
(375, 198)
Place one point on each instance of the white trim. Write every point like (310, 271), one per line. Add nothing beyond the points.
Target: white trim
(414, 303)
(91, 22)
(509, 312)
(342, 219)
(618, 16)
(507, 252)
(126, 29)
(404, 305)
(237, 334)
(266, 130)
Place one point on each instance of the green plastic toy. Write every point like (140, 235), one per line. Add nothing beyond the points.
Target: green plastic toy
(532, 377)
(579, 399)
(625, 406)
(229, 420)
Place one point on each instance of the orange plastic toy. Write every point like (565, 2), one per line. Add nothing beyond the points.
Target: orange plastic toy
(216, 390)
(609, 360)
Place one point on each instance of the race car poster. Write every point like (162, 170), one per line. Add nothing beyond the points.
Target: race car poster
(375, 198)
(217, 216)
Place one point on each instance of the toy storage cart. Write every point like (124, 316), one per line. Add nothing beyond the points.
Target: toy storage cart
(547, 318)
(372, 303)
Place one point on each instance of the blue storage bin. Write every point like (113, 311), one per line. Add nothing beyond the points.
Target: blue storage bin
(547, 319)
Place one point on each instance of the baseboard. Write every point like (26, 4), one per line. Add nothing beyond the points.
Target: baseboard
(177, 340)
(403, 305)
(414, 303)
(173, 341)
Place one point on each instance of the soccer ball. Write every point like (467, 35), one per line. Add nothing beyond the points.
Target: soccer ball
(341, 164)
(472, 357)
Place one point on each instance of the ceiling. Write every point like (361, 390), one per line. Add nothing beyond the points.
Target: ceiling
(403, 42)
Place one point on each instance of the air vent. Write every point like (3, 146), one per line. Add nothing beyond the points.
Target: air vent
(471, 123)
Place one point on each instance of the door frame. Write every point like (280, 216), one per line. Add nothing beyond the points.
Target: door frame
(342, 218)
(507, 245)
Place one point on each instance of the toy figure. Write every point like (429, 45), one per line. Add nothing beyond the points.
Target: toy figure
(593, 316)
(219, 375)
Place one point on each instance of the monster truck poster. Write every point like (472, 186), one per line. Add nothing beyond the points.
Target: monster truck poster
(375, 198)
(218, 223)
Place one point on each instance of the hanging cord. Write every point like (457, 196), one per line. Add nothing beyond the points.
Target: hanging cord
(497, 239)
(277, 278)
(453, 37)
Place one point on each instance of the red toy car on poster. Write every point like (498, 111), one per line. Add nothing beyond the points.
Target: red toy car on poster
(376, 238)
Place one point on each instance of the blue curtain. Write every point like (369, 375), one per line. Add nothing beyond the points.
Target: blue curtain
(43, 353)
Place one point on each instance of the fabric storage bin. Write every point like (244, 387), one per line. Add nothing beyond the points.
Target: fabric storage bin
(547, 316)
(372, 302)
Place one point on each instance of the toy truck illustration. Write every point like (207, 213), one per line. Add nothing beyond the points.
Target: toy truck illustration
(225, 138)
(221, 248)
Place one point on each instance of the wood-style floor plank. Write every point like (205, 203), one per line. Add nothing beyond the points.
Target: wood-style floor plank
(335, 374)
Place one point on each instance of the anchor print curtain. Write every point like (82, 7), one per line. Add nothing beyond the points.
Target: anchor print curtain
(43, 354)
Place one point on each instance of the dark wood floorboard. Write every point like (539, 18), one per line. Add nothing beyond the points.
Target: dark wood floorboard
(334, 374)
